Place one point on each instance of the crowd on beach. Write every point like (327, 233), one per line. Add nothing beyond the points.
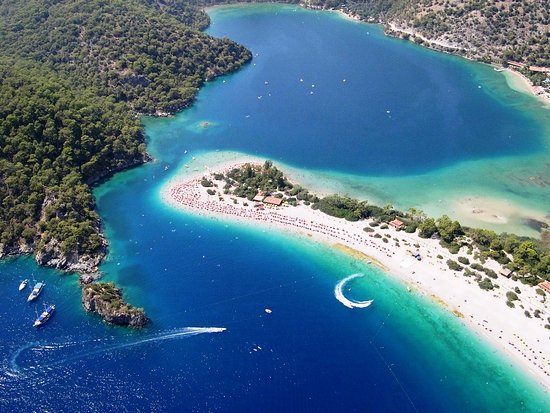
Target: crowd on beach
(189, 194)
(392, 250)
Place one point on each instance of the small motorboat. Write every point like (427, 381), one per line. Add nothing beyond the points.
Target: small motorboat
(23, 284)
(45, 316)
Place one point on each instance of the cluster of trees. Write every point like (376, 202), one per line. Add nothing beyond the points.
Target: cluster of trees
(249, 180)
(354, 210)
(527, 257)
(72, 76)
(445, 228)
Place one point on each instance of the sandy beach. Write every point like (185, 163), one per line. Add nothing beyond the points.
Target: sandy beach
(524, 339)
(522, 84)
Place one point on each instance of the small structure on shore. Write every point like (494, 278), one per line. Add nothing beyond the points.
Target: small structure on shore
(259, 198)
(505, 272)
(397, 224)
(545, 285)
(516, 64)
(271, 200)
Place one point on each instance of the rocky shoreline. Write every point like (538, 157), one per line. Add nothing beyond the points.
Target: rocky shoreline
(105, 299)
(51, 254)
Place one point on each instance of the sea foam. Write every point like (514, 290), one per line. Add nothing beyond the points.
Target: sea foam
(339, 294)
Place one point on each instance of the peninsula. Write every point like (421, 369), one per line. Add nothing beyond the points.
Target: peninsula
(454, 270)
(73, 77)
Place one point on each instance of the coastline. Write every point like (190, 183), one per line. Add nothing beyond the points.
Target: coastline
(514, 78)
(522, 339)
(436, 44)
(520, 83)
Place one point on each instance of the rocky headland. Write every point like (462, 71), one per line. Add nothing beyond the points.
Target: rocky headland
(105, 299)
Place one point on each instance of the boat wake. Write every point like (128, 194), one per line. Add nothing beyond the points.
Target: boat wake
(339, 294)
(56, 353)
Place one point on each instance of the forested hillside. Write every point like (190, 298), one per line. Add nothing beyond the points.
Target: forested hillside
(140, 52)
(73, 74)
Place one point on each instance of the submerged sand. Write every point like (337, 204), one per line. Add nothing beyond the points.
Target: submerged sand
(521, 83)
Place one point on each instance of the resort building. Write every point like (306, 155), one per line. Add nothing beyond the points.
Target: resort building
(516, 64)
(505, 272)
(271, 200)
(545, 285)
(397, 224)
(259, 198)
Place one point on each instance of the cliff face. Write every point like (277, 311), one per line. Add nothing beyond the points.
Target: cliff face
(105, 299)
(51, 255)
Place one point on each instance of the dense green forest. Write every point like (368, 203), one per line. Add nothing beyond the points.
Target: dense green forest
(154, 61)
(54, 139)
(73, 74)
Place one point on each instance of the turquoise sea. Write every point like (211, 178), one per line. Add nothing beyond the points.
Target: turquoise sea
(408, 126)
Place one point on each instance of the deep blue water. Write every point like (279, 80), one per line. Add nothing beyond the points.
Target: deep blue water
(311, 354)
(379, 106)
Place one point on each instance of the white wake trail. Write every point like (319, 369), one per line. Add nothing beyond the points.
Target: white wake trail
(339, 294)
(51, 348)
(184, 332)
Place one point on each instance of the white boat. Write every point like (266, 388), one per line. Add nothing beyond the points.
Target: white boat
(35, 291)
(23, 285)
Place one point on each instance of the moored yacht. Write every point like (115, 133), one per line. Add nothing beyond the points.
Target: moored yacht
(45, 316)
(35, 291)
(23, 285)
